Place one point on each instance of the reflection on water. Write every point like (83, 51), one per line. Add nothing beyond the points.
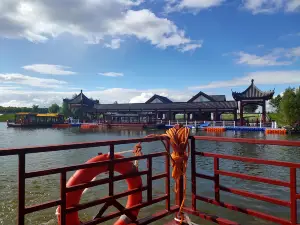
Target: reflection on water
(43, 189)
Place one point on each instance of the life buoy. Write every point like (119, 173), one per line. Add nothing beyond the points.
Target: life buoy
(86, 175)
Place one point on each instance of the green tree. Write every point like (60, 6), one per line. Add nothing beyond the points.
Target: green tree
(250, 108)
(275, 102)
(65, 110)
(35, 108)
(289, 106)
(54, 108)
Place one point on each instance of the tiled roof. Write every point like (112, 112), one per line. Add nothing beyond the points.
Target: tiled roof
(161, 98)
(199, 94)
(218, 98)
(252, 92)
(225, 105)
(81, 99)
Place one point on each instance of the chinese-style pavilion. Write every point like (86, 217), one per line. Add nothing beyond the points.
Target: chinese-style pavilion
(252, 95)
(80, 102)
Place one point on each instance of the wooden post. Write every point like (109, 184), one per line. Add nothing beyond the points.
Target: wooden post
(264, 112)
(241, 113)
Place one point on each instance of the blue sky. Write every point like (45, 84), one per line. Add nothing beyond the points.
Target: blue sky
(127, 50)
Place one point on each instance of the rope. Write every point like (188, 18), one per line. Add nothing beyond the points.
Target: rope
(178, 138)
(137, 151)
(179, 142)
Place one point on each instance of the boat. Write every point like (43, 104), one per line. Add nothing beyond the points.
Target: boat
(36, 120)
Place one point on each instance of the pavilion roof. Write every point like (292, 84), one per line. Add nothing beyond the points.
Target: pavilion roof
(81, 99)
(252, 93)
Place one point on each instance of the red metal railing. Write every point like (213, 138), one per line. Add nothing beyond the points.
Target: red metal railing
(111, 199)
(292, 184)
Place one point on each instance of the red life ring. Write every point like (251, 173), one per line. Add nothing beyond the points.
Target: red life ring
(86, 175)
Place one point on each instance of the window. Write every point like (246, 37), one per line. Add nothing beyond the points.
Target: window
(201, 99)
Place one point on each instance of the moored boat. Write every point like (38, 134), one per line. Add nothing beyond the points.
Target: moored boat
(35, 120)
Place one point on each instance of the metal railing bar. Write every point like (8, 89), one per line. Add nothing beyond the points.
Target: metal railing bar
(204, 176)
(157, 216)
(103, 200)
(47, 205)
(149, 179)
(293, 192)
(104, 181)
(255, 196)
(21, 189)
(90, 165)
(194, 173)
(250, 160)
(212, 218)
(254, 178)
(114, 215)
(249, 141)
(159, 176)
(63, 197)
(246, 211)
(75, 146)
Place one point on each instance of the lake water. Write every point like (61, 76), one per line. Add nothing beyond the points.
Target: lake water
(43, 189)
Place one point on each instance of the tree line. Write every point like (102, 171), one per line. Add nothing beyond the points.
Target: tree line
(287, 106)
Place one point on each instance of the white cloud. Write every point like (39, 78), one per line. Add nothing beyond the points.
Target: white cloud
(49, 69)
(112, 74)
(44, 99)
(93, 20)
(277, 57)
(194, 5)
(293, 5)
(190, 47)
(20, 79)
(114, 44)
(263, 77)
(271, 6)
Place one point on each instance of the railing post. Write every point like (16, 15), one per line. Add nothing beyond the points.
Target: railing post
(193, 165)
(233, 123)
(21, 189)
(223, 123)
(293, 198)
(111, 169)
(167, 186)
(63, 197)
(216, 179)
(149, 179)
(169, 122)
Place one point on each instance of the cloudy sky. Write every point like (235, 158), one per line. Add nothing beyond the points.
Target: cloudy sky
(127, 50)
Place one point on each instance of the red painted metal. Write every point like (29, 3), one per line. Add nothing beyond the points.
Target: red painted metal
(194, 180)
(292, 204)
(254, 178)
(169, 209)
(217, 179)
(21, 190)
(255, 196)
(293, 192)
(208, 217)
(249, 141)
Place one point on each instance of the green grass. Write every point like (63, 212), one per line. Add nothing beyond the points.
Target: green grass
(5, 117)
